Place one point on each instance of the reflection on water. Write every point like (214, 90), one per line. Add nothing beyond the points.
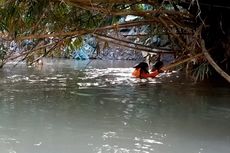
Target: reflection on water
(97, 107)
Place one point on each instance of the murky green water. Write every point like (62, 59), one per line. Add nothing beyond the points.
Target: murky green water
(64, 108)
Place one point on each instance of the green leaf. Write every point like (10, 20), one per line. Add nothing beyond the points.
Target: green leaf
(77, 43)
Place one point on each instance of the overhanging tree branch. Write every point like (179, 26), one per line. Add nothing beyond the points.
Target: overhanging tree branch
(213, 63)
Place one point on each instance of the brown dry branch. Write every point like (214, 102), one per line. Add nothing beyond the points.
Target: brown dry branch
(181, 61)
(145, 35)
(100, 29)
(167, 51)
(26, 52)
(97, 2)
(180, 41)
(213, 63)
(152, 13)
(88, 31)
(134, 46)
(101, 6)
(55, 45)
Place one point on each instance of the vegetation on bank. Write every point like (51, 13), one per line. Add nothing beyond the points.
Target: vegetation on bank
(46, 27)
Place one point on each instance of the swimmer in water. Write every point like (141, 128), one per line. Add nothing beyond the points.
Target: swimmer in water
(141, 70)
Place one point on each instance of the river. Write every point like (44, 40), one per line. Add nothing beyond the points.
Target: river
(69, 106)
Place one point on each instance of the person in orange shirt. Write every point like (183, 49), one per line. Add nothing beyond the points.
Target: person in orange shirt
(141, 70)
(156, 69)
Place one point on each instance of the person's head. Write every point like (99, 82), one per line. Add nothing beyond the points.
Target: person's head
(158, 65)
(143, 66)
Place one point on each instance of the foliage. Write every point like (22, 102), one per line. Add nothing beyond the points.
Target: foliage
(201, 71)
(74, 44)
(67, 21)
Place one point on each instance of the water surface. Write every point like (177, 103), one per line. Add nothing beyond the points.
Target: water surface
(97, 107)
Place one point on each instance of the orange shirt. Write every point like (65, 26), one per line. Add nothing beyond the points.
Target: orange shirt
(137, 73)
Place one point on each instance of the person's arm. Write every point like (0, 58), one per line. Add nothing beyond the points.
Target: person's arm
(153, 74)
